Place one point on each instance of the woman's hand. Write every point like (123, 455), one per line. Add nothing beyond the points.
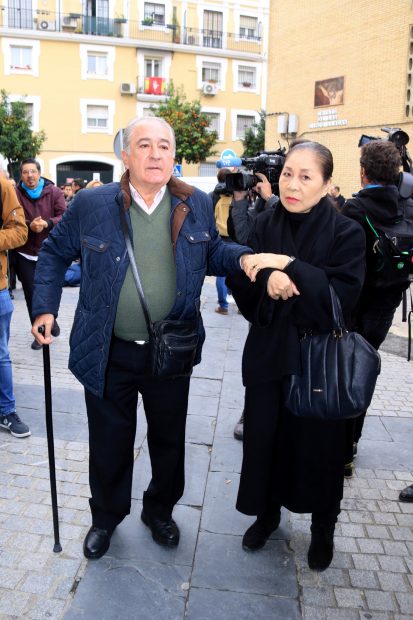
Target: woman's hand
(255, 262)
(279, 286)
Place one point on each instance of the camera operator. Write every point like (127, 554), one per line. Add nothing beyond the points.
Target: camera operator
(244, 208)
(221, 201)
(378, 199)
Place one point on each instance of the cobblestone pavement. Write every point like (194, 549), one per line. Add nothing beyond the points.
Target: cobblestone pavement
(208, 576)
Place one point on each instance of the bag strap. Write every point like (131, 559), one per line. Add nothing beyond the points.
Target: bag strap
(135, 272)
(338, 317)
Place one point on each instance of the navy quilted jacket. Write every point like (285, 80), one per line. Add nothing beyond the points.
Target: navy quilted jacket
(91, 228)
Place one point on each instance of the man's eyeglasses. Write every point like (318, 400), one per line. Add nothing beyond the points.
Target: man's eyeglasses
(30, 171)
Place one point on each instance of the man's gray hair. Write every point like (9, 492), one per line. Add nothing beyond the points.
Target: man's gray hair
(137, 121)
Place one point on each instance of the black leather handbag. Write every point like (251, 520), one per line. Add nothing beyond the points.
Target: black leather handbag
(172, 343)
(338, 376)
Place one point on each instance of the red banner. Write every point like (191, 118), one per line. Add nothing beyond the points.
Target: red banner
(154, 86)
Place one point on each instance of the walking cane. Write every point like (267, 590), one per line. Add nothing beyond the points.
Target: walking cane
(50, 441)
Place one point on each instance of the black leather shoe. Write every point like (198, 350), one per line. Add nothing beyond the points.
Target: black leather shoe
(96, 543)
(321, 550)
(257, 535)
(407, 494)
(36, 346)
(164, 532)
(55, 331)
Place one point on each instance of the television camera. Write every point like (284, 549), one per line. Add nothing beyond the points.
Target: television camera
(400, 139)
(269, 163)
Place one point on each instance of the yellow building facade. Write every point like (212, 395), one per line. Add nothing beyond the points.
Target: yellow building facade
(84, 69)
(338, 70)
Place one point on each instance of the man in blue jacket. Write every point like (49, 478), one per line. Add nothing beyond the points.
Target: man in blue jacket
(109, 339)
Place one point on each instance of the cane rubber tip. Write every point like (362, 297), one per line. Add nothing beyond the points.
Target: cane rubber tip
(57, 548)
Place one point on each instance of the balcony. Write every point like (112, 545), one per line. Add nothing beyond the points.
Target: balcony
(142, 31)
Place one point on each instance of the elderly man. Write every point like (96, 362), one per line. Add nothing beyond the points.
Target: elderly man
(109, 340)
(13, 233)
(44, 205)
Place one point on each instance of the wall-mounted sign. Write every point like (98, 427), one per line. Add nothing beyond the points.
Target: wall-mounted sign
(328, 118)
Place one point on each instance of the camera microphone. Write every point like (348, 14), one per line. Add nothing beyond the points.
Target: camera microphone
(229, 162)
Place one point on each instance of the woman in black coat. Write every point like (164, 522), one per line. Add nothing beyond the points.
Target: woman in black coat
(303, 245)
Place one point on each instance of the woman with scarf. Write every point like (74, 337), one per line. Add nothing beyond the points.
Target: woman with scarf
(302, 246)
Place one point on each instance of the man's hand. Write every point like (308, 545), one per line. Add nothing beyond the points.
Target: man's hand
(239, 195)
(47, 320)
(38, 224)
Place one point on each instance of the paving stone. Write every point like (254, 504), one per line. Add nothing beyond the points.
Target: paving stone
(349, 597)
(365, 562)
(236, 605)
(271, 571)
(381, 601)
(406, 602)
(368, 545)
(153, 588)
(392, 582)
(319, 597)
(363, 579)
(392, 564)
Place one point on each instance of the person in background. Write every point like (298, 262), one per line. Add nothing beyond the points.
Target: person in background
(175, 242)
(336, 197)
(67, 192)
(93, 183)
(13, 233)
(221, 201)
(303, 245)
(77, 185)
(44, 205)
(379, 200)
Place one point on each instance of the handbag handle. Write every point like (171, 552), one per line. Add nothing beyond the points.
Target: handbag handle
(338, 317)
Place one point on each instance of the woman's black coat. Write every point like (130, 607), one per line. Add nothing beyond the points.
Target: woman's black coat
(308, 454)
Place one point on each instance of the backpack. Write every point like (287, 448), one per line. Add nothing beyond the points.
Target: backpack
(390, 249)
(222, 214)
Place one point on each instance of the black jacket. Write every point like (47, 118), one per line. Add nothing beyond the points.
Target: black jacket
(380, 204)
(328, 248)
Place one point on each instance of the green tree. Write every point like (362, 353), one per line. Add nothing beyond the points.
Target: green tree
(194, 141)
(254, 140)
(17, 140)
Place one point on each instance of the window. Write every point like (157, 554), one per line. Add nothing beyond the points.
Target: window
(21, 57)
(211, 72)
(32, 108)
(155, 12)
(246, 76)
(97, 64)
(214, 121)
(207, 169)
(212, 33)
(243, 123)
(97, 116)
(248, 27)
(153, 67)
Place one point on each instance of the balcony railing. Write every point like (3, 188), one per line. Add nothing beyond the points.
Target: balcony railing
(119, 27)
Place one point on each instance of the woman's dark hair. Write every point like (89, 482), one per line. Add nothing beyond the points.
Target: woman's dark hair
(381, 162)
(322, 153)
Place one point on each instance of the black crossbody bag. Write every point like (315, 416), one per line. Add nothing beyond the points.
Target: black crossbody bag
(172, 343)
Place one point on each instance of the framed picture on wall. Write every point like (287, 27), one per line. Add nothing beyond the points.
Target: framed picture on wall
(329, 92)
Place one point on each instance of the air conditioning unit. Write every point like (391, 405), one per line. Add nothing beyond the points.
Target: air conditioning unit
(69, 22)
(209, 89)
(45, 25)
(127, 88)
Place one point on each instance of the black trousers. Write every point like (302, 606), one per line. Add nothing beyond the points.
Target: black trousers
(112, 427)
(25, 269)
